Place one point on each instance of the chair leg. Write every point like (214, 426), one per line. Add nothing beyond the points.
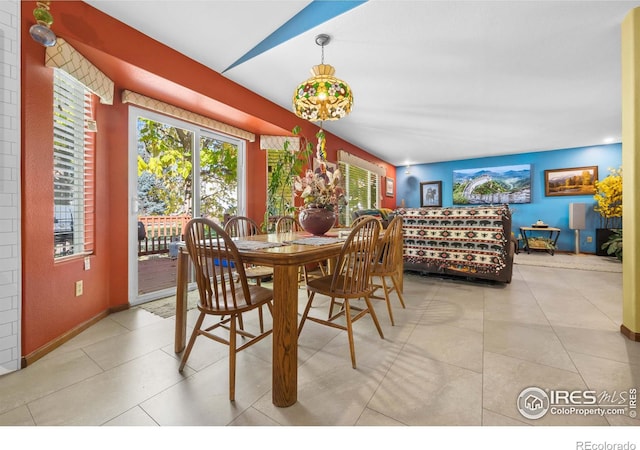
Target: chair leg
(396, 285)
(373, 316)
(386, 298)
(352, 349)
(331, 305)
(306, 312)
(192, 340)
(232, 360)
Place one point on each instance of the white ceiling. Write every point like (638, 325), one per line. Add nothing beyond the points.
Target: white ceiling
(432, 80)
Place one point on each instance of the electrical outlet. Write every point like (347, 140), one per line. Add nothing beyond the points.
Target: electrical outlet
(589, 239)
(78, 288)
(87, 263)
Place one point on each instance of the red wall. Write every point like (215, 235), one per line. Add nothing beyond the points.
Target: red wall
(134, 62)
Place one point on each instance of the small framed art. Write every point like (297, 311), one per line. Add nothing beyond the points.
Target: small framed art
(431, 193)
(389, 187)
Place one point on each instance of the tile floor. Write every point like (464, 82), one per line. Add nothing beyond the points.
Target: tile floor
(460, 354)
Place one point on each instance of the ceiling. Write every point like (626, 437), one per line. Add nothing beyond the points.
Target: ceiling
(432, 80)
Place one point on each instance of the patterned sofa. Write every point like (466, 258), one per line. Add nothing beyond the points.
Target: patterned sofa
(471, 241)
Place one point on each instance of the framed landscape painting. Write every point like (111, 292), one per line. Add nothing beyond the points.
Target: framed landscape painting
(574, 181)
(492, 185)
(430, 193)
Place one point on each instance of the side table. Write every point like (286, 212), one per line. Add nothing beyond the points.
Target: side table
(529, 232)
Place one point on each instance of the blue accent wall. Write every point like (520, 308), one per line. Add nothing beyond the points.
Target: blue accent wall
(553, 211)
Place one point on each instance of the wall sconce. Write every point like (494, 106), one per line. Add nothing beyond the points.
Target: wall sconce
(41, 31)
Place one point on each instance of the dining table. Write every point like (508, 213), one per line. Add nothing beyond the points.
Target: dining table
(285, 252)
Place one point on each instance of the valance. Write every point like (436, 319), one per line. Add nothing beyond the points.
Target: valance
(171, 110)
(64, 56)
(277, 142)
(348, 158)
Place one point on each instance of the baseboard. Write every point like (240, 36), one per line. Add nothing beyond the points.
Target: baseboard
(631, 335)
(57, 342)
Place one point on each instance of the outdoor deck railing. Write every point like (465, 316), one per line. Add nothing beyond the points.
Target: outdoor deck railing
(160, 232)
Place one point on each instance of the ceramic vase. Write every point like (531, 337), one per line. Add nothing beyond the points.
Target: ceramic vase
(317, 221)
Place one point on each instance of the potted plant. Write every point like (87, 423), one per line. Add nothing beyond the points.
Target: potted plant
(322, 194)
(288, 165)
(608, 199)
(613, 246)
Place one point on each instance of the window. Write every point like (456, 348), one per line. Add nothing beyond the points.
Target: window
(361, 188)
(73, 167)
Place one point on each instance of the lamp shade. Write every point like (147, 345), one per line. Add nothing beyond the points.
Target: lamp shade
(323, 96)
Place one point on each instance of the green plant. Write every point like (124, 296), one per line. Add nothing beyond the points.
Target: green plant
(613, 246)
(608, 199)
(288, 165)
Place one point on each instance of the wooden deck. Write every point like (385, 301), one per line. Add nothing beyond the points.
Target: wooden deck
(156, 272)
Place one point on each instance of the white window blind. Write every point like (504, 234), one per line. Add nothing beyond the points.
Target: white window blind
(361, 186)
(73, 166)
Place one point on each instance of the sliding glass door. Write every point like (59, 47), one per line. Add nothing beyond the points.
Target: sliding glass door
(178, 171)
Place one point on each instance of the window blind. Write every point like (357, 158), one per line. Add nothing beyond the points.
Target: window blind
(73, 166)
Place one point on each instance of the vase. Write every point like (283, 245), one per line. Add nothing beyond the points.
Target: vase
(317, 221)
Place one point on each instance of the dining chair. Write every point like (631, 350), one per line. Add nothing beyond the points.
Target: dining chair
(359, 219)
(223, 291)
(239, 227)
(389, 255)
(351, 280)
(286, 224)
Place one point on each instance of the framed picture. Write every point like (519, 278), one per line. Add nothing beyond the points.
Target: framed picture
(492, 185)
(574, 181)
(431, 193)
(389, 187)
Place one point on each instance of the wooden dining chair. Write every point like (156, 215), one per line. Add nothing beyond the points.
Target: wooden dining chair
(389, 254)
(350, 281)
(223, 291)
(359, 219)
(288, 224)
(239, 227)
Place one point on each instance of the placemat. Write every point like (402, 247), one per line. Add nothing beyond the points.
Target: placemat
(256, 245)
(317, 240)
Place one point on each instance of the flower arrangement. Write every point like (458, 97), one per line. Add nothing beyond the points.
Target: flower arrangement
(608, 198)
(320, 188)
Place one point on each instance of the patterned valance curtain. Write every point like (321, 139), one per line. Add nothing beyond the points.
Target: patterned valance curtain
(277, 142)
(173, 111)
(64, 56)
(348, 158)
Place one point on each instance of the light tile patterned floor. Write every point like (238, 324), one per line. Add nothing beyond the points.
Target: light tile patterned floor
(460, 354)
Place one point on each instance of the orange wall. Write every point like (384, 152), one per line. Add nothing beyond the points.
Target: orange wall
(135, 62)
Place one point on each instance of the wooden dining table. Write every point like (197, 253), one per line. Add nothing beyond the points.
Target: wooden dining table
(285, 252)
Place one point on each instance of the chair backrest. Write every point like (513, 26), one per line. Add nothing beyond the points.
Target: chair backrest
(287, 224)
(217, 264)
(353, 267)
(359, 219)
(240, 226)
(388, 251)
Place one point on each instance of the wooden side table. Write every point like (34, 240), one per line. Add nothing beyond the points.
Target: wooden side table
(528, 232)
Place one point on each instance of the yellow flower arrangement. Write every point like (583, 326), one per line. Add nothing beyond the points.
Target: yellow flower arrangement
(608, 199)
